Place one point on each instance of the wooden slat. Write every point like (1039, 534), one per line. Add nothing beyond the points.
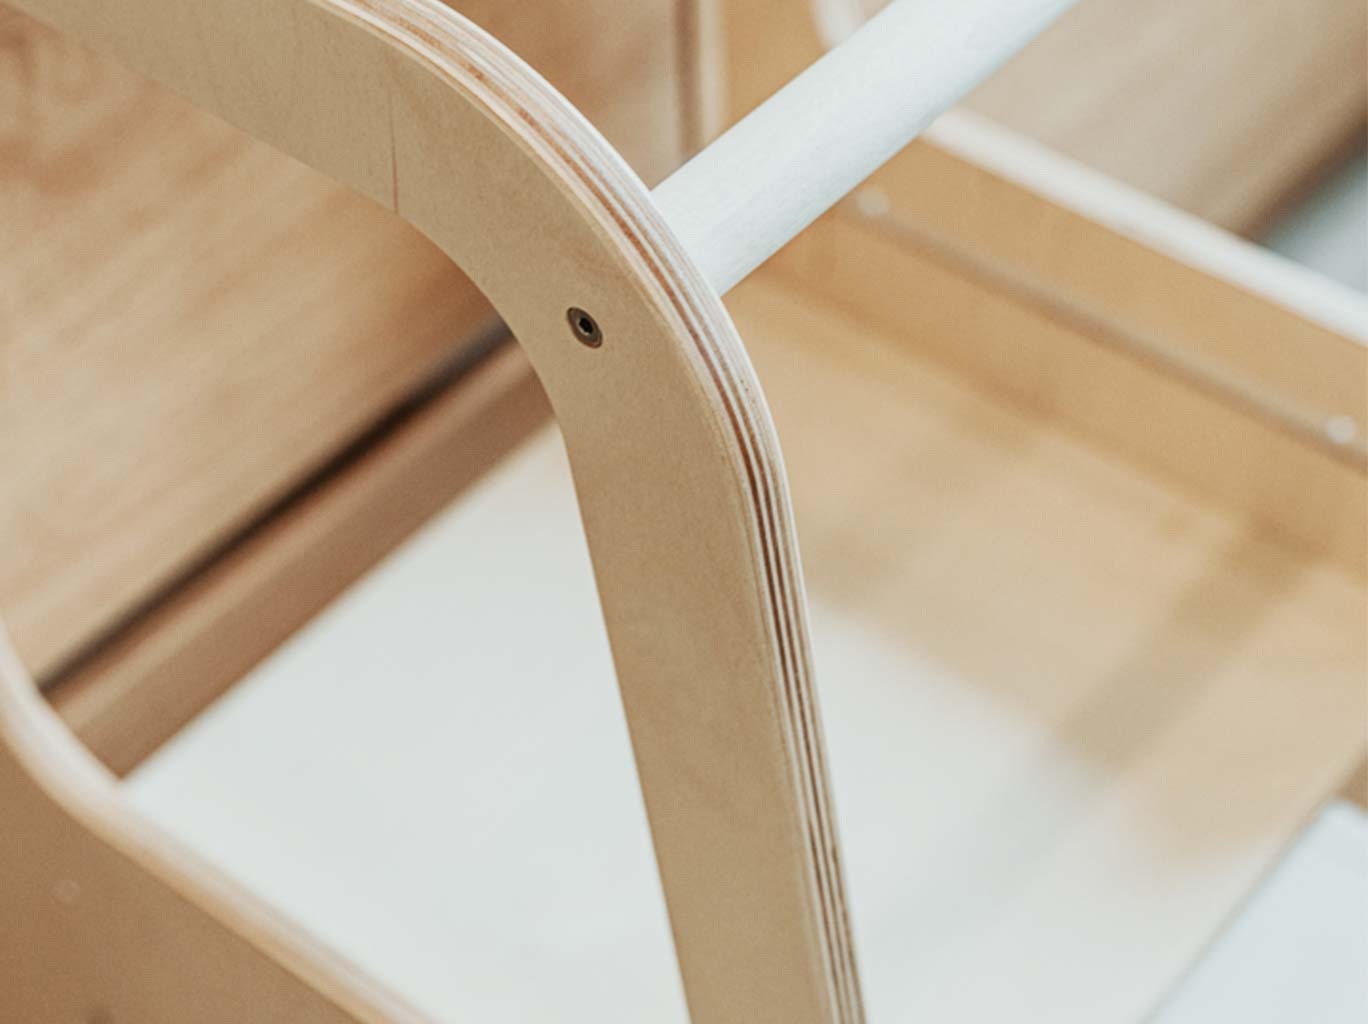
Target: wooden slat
(1224, 108)
(1143, 342)
(179, 657)
(1176, 342)
(190, 321)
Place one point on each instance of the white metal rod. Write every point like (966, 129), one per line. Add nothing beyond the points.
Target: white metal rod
(780, 168)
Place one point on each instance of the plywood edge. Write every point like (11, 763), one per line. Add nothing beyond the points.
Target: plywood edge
(1234, 264)
(173, 662)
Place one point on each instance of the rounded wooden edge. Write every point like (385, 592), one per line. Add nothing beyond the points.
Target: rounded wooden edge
(585, 233)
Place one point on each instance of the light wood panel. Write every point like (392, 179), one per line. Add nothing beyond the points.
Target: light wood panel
(192, 322)
(1162, 341)
(1075, 711)
(183, 654)
(1225, 108)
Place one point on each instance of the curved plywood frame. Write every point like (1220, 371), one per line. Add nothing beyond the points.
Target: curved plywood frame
(680, 487)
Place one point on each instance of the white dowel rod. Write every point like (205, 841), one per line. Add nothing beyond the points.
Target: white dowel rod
(776, 171)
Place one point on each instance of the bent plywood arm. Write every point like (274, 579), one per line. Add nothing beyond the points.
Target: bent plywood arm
(680, 488)
(676, 468)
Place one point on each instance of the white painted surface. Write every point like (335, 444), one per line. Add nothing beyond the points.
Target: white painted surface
(1298, 951)
(780, 168)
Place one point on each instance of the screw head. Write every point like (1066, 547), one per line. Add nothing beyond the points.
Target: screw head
(584, 327)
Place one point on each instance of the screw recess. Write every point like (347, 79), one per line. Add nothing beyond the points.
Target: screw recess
(584, 327)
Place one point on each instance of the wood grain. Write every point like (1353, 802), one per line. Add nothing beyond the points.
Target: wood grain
(182, 654)
(190, 321)
(1224, 108)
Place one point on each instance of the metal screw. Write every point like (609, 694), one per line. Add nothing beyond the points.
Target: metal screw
(584, 327)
